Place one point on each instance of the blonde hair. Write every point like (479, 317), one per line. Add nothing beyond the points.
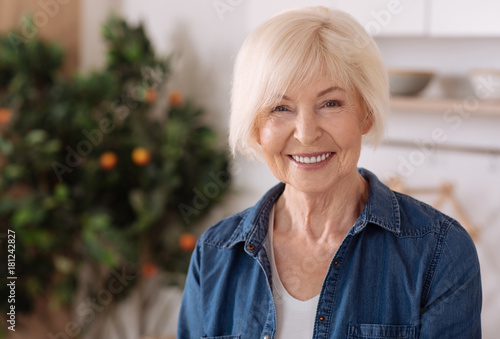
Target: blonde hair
(288, 51)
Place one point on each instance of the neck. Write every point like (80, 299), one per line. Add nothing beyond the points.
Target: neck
(322, 215)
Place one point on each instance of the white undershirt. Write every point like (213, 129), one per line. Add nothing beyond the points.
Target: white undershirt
(295, 318)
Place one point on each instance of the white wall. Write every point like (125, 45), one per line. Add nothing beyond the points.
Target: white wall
(93, 15)
(208, 40)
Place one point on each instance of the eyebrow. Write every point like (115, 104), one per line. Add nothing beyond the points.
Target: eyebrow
(330, 89)
(323, 92)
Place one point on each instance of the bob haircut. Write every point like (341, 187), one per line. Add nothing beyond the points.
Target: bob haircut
(288, 51)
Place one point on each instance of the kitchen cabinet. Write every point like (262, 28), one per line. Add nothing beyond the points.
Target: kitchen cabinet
(259, 11)
(379, 17)
(388, 17)
(434, 18)
(464, 18)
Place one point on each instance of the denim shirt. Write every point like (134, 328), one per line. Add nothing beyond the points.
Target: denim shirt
(404, 270)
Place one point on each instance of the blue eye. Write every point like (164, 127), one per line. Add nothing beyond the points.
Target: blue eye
(279, 109)
(333, 103)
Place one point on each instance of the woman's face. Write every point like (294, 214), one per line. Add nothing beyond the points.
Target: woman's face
(312, 139)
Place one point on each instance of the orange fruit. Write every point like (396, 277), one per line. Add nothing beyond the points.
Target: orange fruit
(141, 156)
(175, 98)
(187, 241)
(149, 270)
(108, 161)
(5, 116)
(150, 95)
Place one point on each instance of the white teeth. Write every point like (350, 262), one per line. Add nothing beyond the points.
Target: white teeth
(311, 160)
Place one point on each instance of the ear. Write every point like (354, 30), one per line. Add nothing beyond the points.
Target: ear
(256, 134)
(367, 123)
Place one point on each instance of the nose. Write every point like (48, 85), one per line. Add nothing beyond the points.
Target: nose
(307, 127)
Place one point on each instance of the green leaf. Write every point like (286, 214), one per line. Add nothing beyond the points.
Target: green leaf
(33, 285)
(49, 203)
(97, 222)
(137, 200)
(157, 202)
(64, 264)
(36, 238)
(7, 206)
(61, 193)
(6, 146)
(109, 257)
(27, 214)
(98, 237)
(13, 171)
(133, 52)
(144, 221)
(52, 147)
(35, 137)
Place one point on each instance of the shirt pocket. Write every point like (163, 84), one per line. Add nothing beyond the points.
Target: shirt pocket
(224, 337)
(378, 331)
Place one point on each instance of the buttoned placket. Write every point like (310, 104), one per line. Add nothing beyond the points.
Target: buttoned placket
(269, 329)
(326, 303)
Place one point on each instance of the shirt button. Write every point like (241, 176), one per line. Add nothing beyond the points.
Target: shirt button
(267, 336)
(250, 247)
(321, 318)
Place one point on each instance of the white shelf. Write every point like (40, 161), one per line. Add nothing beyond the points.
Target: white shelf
(433, 105)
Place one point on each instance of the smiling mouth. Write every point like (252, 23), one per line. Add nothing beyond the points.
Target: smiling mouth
(311, 159)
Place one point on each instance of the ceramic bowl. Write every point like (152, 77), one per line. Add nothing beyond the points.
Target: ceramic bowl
(408, 82)
(485, 83)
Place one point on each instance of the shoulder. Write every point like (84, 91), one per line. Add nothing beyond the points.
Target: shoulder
(418, 218)
(451, 243)
(405, 216)
(225, 232)
(241, 226)
(448, 249)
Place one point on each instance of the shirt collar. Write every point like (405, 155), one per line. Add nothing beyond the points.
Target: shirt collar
(381, 209)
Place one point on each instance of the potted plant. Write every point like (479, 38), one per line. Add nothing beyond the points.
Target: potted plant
(102, 174)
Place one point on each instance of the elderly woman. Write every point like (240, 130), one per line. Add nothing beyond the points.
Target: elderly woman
(330, 252)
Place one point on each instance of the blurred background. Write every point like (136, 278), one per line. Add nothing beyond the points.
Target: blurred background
(154, 105)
